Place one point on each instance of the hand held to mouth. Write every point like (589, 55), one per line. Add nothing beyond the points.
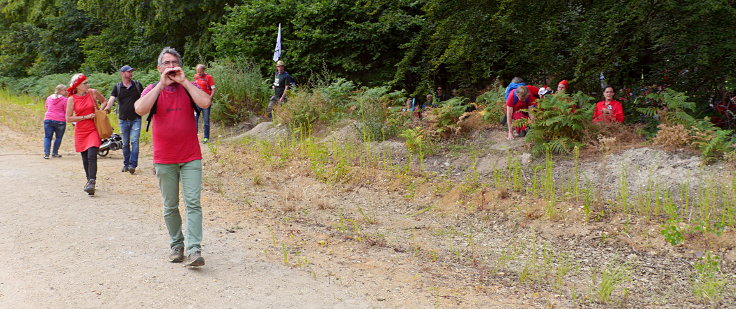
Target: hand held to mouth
(172, 75)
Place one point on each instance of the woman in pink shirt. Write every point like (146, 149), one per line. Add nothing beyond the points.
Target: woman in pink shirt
(54, 122)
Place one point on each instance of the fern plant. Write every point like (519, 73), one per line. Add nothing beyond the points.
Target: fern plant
(495, 105)
(671, 107)
(448, 114)
(559, 122)
(711, 141)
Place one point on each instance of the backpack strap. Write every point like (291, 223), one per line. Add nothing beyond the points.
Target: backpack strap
(138, 86)
(117, 88)
(516, 99)
(204, 78)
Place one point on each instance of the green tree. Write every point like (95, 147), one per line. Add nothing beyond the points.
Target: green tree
(357, 39)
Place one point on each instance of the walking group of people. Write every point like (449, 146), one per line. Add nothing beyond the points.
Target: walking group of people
(521, 97)
(171, 104)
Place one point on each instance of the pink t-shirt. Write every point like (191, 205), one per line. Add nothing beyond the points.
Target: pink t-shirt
(55, 108)
(174, 127)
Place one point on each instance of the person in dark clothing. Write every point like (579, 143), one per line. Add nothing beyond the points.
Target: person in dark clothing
(126, 93)
(281, 83)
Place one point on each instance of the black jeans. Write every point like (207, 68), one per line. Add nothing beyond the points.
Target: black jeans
(89, 160)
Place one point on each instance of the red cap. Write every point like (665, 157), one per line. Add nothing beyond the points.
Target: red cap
(563, 82)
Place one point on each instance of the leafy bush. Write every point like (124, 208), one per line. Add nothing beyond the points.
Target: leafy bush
(44, 86)
(241, 90)
(560, 122)
(372, 113)
(670, 106)
(712, 142)
(418, 142)
(707, 280)
(448, 114)
(495, 105)
(672, 135)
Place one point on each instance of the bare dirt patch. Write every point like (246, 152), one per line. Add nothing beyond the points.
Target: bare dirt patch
(454, 240)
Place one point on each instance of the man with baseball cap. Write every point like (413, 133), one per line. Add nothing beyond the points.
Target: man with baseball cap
(126, 93)
(281, 84)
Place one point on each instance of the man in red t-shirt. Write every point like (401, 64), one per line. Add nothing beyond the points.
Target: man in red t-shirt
(176, 153)
(206, 83)
(518, 99)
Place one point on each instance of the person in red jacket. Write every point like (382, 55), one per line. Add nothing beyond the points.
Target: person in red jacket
(608, 110)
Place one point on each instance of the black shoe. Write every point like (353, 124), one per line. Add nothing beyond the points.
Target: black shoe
(56, 156)
(176, 255)
(125, 169)
(195, 259)
(46, 157)
(90, 187)
(131, 170)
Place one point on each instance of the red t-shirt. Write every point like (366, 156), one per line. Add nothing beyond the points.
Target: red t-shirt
(617, 111)
(205, 83)
(520, 104)
(174, 127)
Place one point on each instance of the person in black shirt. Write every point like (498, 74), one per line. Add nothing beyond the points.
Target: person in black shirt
(127, 92)
(281, 84)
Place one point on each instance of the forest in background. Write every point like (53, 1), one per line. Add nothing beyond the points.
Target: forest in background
(404, 44)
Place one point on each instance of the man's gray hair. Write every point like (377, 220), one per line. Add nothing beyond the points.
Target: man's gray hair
(169, 50)
(515, 80)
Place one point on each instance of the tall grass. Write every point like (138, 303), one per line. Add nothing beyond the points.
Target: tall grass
(242, 90)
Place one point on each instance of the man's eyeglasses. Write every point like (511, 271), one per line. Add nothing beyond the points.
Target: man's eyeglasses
(174, 62)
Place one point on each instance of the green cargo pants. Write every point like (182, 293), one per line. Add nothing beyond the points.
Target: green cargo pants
(189, 174)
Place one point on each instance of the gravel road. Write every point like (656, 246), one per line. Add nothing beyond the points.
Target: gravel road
(64, 249)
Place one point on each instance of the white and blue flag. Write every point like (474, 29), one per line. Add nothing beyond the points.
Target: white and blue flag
(277, 50)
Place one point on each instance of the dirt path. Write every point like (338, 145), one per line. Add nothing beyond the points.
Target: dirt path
(62, 248)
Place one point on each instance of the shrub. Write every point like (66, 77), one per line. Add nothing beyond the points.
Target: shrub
(495, 105)
(672, 135)
(560, 122)
(707, 281)
(711, 141)
(670, 106)
(241, 90)
(448, 115)
(371, 105)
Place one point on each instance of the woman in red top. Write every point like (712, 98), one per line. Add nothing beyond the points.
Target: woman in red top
(608, 110)
(80, 108)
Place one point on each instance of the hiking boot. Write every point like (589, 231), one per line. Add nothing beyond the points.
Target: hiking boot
(131, 170)
(90, 187)
(56, 156)
(46, 156)
(125, 169)
(195, 259)
(177, 255)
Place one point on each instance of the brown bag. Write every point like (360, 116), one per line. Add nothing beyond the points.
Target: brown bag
(104, 129)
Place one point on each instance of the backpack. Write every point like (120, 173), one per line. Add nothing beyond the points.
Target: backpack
(153, 108)
(516, 99)
(204, 79)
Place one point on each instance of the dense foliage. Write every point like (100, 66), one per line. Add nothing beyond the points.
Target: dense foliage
(407, 44)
